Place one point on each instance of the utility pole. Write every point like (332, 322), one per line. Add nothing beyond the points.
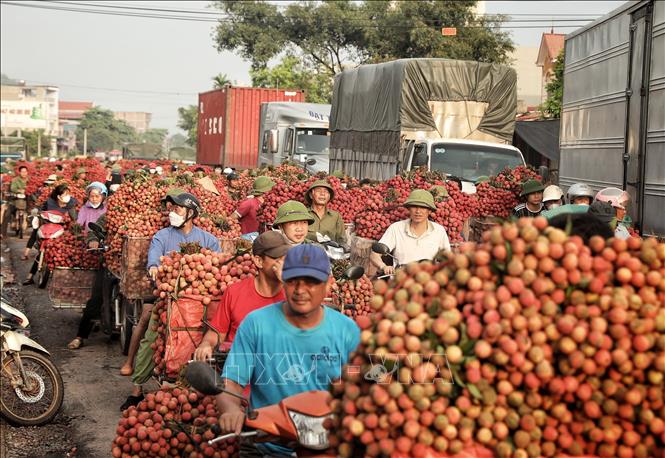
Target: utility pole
(85, 142)
(39, 144)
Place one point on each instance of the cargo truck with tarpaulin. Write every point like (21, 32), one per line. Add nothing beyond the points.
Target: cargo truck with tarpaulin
(450, 115)
(228, 124)
(613, 114)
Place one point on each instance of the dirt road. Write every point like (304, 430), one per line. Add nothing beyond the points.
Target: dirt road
(94, 389)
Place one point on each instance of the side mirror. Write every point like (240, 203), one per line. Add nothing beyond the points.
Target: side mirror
(544, 172)
(380, 248)
(96, 229)
(203, 378)
(274, 141)
(354, 273)
(311, 161)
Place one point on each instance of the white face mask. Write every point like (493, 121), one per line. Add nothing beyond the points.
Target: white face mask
(176, 220)
(95, 205)
(66, 199)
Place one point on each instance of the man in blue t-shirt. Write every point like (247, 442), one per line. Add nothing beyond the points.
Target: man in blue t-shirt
(288, 347)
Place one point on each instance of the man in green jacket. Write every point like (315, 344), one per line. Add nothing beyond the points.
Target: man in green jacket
(327, 222)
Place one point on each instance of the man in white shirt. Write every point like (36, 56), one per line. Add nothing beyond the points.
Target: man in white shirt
(415, 238)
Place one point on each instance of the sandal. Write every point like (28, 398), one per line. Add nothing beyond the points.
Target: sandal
(126, 370)
(75, 344)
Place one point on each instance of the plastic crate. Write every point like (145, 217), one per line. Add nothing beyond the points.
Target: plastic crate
(70, 288)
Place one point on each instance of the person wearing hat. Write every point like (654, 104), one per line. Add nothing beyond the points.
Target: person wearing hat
(616, 200)
(233, 180)
(580, 194)
(81, 174)
(248, 208)
(184, 207)
(327, 222)
(532, 194)
(249, 294)
(296, 336)
(116, 180)
(552, 197)
(414, 238)
(293, 220)
(94, 206)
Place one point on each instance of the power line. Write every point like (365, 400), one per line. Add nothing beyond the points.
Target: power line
(362, 23)
(138, 91)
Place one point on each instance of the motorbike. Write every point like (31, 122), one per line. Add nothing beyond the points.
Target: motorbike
(296, 422)
(118, 314)
(350, 274)
(20, 220)
(49, 226)
(31, 388)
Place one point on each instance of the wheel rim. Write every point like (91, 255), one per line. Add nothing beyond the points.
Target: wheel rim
(38, 400)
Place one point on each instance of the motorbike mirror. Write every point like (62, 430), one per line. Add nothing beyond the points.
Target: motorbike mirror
(311, 161)
(380, 248)
(332, 244)
(354, 272)
(97, 229)
(202, 377)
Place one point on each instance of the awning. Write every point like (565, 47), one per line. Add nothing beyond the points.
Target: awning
(541, 136)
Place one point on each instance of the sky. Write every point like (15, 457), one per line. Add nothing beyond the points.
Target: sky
(158, 65)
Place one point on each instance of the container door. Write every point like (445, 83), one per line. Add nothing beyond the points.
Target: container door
(637, 92)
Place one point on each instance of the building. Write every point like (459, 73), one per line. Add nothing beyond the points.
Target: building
(29, 107)
(551, 45)
(70, 115)
(529, 95)
(139, 120)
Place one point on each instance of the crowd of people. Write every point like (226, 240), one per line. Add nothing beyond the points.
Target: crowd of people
(280, 309)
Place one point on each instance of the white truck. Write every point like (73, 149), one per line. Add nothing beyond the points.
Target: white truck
(296, 132)
(454, 116)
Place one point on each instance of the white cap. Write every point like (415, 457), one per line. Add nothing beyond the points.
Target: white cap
(228, 170)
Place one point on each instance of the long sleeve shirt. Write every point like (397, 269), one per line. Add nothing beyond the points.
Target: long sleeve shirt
(70, 208)
(88, 214)
(18, 185)
(331, 225)
(169, 239)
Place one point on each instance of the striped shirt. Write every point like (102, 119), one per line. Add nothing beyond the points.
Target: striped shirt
(522, 211)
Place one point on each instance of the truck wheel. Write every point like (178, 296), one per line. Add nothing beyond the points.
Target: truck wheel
(126, 325)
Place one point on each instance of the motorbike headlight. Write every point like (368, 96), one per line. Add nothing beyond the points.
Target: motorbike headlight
(311, 433)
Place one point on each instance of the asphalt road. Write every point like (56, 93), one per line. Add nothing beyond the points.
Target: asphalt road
(94, 388)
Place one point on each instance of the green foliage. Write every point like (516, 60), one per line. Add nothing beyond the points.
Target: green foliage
(156, 136)
(32, 139)
(552, 106)
(291, 73)
(188, 121)
(177, 140)
(4, 79)
(327, 35)
(104, 131)
(220, 80)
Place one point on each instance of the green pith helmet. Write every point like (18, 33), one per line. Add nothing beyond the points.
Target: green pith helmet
(337, 174)
(173, 192)
(262, 185)
(531, 186)
(420, 198)
(439, 191)
(319, 184)
(80, 170)
(292, 211)
(482, 179)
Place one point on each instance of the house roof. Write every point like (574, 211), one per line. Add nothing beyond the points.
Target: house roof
(551, 45)
(73, 110)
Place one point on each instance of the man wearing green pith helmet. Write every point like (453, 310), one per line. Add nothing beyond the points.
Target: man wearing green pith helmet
(293, 220)
(327, 222)
(414, 238)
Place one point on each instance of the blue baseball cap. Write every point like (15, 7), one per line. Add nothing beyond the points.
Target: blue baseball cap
(306, 261)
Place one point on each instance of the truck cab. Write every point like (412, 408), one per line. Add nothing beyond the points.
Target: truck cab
(295, 132)
(467, 160)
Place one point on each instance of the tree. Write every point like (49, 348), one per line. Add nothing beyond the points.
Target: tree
(177, 140)
(4, 79)
(290, 73)
(220, 80)
(188, 121)
(32, 140)
(330, 35)
(104, 132)
(156, 136)
(551, 108)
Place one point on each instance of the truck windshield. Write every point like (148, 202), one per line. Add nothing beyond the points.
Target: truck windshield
(312, 141)
(469, 162)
